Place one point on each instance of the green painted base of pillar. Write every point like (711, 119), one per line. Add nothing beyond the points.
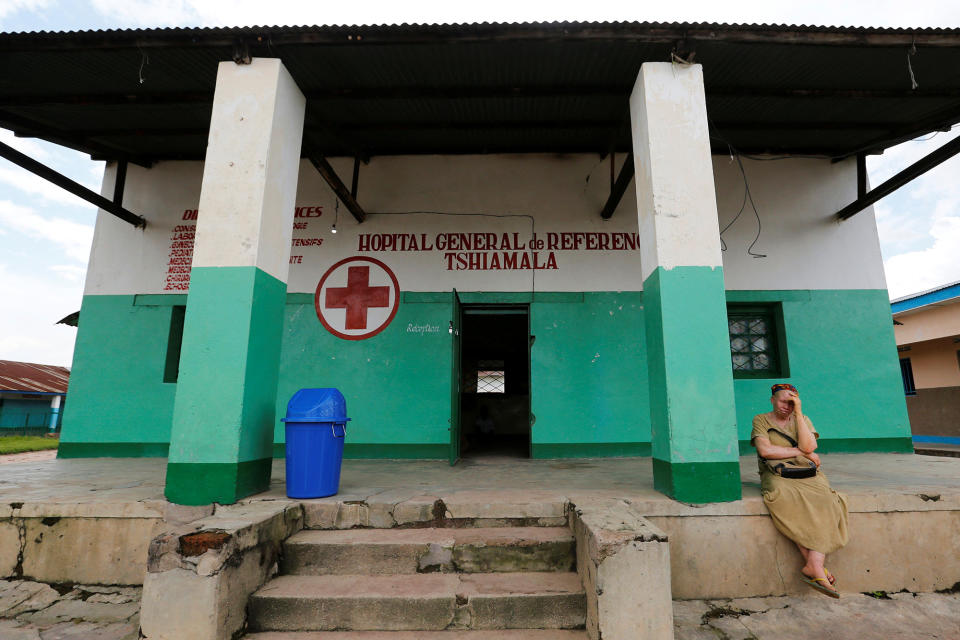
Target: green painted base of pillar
(697, 482)
(195, 483)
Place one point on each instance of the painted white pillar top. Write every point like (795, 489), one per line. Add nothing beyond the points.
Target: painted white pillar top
(249, 184)
(676, 202)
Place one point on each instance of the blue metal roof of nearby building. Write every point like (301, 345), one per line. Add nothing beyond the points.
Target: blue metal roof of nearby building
(931, 296)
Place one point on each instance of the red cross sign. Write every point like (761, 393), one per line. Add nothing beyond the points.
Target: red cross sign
(357, 298)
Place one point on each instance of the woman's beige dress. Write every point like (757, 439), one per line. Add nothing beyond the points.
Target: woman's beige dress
(806, 510)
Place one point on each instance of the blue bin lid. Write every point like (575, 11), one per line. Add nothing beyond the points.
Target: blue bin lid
(317, 405)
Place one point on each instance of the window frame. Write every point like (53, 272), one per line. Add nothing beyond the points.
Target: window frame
(906, 374)
(776, 335)
(171, 363)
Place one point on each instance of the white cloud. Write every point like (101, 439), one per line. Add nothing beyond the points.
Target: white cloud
(73, 164)
(899, 230)
(26, 146)
(34, 185)
(148, 13)
(72, 237)
(920, 270)
(897, 158)
(70, 272)
(915, 223)
(9, 7)
(28, 331)
(95, 167)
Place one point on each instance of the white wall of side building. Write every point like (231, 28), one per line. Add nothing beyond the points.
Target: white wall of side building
(939, 320)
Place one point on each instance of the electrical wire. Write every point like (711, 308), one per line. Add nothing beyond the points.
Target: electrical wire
(144, 60)
(746, 186)
(723, 245)
(586, 182)
(912, 51)
(747, 195)
(736, 156)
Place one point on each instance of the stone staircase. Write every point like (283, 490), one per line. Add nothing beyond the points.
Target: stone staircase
(471, 583)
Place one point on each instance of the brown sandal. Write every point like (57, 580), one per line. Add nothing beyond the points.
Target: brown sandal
(822, 588)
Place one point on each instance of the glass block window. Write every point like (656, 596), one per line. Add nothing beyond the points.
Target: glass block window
(491, 376)
(753, 344)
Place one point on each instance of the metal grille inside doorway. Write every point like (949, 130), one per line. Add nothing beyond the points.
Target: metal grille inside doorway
(490, 376)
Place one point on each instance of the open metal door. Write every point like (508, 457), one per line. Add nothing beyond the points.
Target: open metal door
(455, 381)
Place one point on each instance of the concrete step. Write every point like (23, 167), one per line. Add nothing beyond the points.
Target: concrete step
(427, 602)
(391, 551)
(499, 634)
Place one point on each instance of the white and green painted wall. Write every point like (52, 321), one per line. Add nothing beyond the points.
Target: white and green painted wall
(593, 356)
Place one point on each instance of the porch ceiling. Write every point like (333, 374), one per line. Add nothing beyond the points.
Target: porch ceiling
(146, 95)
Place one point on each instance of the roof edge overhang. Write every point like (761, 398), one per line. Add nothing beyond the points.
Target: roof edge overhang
(34, 393)
(941, 296)
(486, 31)
(599, 124)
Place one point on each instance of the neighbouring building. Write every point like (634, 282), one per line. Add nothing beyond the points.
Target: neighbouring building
(927, 327)
(443, 222)
(31, 396)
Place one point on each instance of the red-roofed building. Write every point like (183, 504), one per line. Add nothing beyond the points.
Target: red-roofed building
(31, 395)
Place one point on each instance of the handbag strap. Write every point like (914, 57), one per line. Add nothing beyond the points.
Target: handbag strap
(792, 442)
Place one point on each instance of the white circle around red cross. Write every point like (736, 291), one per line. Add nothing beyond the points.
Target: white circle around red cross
(357, 298)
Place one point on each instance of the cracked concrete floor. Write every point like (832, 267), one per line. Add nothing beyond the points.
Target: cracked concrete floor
(899, 616)
(113, 480)
(37, 611)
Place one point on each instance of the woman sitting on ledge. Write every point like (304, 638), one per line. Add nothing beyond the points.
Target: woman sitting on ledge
(801, 503)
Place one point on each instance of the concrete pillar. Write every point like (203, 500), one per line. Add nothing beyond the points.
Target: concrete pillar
(54, 412)
(222, 436)
(694, 432)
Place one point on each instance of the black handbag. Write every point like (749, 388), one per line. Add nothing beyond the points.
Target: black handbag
(785, 470)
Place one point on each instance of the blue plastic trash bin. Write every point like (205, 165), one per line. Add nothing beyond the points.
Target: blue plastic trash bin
(316, 426)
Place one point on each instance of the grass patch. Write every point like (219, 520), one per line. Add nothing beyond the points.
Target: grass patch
(22, 444)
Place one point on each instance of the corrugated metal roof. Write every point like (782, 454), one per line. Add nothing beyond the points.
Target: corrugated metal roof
(938, 296)
(146, 94)
(37, 378)
(475, 27)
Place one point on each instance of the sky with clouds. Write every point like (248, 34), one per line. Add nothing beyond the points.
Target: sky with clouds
(45, 233)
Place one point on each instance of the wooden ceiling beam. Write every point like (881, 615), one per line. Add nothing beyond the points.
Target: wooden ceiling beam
(469, 92)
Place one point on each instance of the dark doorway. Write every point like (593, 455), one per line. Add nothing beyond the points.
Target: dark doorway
(495, 381)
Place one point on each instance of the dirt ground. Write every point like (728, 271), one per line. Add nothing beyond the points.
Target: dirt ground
(29, 456)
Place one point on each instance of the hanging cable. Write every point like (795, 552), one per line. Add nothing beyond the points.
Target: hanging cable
(913, 79)
(746, 186)
(723, 244)
(747, 195)
(144, 60)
